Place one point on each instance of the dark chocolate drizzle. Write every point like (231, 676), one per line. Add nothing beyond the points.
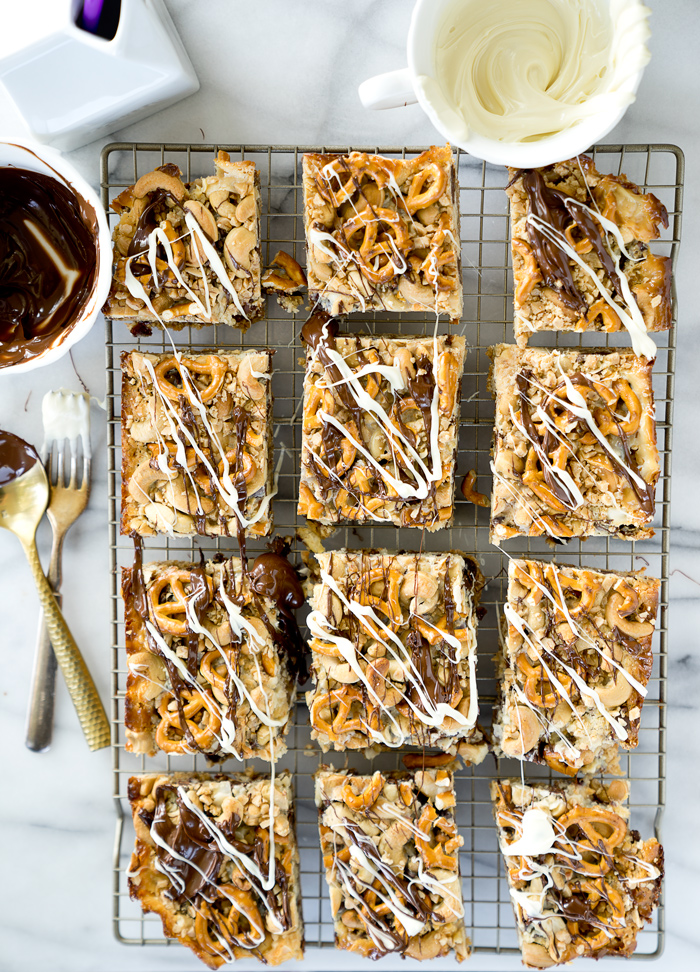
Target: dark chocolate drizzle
(558, 210)
(35, 312)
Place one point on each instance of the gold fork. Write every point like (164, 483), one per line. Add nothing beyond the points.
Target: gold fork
(66, 415)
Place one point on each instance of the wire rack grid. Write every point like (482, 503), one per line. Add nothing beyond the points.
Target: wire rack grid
(487, 318)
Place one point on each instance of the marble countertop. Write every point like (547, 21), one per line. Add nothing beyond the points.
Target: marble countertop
(275, 71)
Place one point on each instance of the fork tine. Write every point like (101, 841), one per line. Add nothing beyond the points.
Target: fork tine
(85, 485)
(73, 482)
(59, 470)
(50, 461)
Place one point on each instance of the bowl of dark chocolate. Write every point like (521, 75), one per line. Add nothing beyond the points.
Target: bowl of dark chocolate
(55, 259)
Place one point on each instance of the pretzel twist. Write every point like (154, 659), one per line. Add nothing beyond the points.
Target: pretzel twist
(289, 277)
(470, 494)
(226, 927)
(538, 687)
(595, 844)
(443, 853)
(420, 197)
(335, 725)
(532, 273)
(212, 365)
(170, 617)
(384, 241)
(600, 308)
(389, 607)
(611, 915)
(204, 733)
(366, 799)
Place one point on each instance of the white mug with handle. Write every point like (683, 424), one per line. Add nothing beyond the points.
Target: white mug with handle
(419, 81)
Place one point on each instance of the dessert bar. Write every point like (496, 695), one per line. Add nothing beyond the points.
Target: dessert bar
(216, 858)
(188, 253)
(380, 427)
(210, 666)
(394, 652)
(574, 451)
(383, 234)
(581, 260)
(391, 852)
(576, 659)
(197, 443)
(581, 882)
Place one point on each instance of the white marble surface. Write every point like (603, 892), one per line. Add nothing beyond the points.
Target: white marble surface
(276, 71)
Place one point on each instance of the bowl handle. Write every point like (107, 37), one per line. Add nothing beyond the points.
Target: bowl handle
(391, 90)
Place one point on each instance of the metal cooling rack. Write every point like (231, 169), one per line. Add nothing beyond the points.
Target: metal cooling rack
(487, 320)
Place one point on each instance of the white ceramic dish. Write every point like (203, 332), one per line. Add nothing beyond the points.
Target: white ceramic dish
(407, 86)
(39, 158)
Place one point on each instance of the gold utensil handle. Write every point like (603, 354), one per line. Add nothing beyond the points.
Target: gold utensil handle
(81, 687)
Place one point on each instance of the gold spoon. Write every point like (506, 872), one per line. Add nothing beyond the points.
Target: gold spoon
(24, 495)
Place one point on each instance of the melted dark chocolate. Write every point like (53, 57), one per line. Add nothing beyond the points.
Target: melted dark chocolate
(189, 839)
(16, 457)
(37, 214)
(273, 576)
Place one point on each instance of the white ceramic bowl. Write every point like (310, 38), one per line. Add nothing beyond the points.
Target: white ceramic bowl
(404, 87)
(49, 162)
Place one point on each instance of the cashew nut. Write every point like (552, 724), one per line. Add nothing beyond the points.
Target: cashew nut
(252, 387)
(150, 669)
(245, 209)
(617, 691)
(166, 520)
(237, 248)
(421, 590)
(144, 479)
(536, 956)
(403, 361)
(204, 217)
(217, 197)
(159, 180)
(634, 629)
(526, 732)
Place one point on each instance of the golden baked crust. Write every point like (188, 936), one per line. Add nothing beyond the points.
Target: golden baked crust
(196, 440)
(383, 233)
(394, 652)
(565, 298)
(391, 852)
(574, 451)
(582, 884)
(225, 912)
(576, 659)
(360, 437)
(207, 272)
(204, 652)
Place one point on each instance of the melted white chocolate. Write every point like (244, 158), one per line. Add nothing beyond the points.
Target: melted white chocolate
(522, 70)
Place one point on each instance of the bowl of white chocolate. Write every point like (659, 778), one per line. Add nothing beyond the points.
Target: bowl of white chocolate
(520, 82)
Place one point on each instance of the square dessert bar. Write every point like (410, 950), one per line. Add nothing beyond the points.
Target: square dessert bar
(197, 443)
(383, 234)
(202, 862)
(576, 659)
(209, 668)
(581, 882)
(574, 451)
(391, 852)
(581, 260)
(188, 253)
(380, 428)
(394, 652)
